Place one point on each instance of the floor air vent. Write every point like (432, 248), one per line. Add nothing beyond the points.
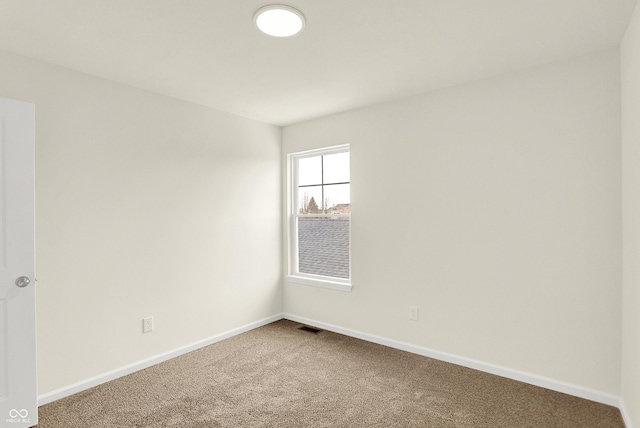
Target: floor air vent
(309, 329)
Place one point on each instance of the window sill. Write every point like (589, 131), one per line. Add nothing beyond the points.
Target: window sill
(324, 283)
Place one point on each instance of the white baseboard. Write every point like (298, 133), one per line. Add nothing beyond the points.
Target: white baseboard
(555, 385)
(625, 414)
(148, 362)
(552, 384)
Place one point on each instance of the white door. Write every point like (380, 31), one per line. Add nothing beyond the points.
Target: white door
(18, 393)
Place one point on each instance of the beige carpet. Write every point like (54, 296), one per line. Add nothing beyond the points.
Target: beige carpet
(280, 376)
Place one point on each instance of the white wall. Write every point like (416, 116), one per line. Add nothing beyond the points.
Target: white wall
(146, 206)
(631, 218)
(495, 207)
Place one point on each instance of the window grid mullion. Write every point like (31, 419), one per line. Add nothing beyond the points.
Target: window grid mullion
(327, 184)
(324, 209)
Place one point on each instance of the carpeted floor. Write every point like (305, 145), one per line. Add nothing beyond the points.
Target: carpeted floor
(280, 376)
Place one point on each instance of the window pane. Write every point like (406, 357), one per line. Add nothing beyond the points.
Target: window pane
(337, 199)
(310, 171)
(323, 246)
(310, 200)
(336, 168)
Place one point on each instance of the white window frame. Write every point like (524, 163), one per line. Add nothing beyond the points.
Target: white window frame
(294, 275)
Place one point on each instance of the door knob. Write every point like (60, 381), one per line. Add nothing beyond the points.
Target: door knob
(23, 281)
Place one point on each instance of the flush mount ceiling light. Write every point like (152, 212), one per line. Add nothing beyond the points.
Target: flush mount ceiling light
(279, 20)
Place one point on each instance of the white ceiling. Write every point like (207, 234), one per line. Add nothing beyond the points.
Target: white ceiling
(352, 53)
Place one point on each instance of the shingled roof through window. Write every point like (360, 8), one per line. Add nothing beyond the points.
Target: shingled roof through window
(323, 246)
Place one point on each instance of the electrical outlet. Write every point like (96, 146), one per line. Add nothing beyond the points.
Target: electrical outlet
(147, 324)
(413, 313)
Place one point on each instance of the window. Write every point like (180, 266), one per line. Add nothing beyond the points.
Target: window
(320, 218)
